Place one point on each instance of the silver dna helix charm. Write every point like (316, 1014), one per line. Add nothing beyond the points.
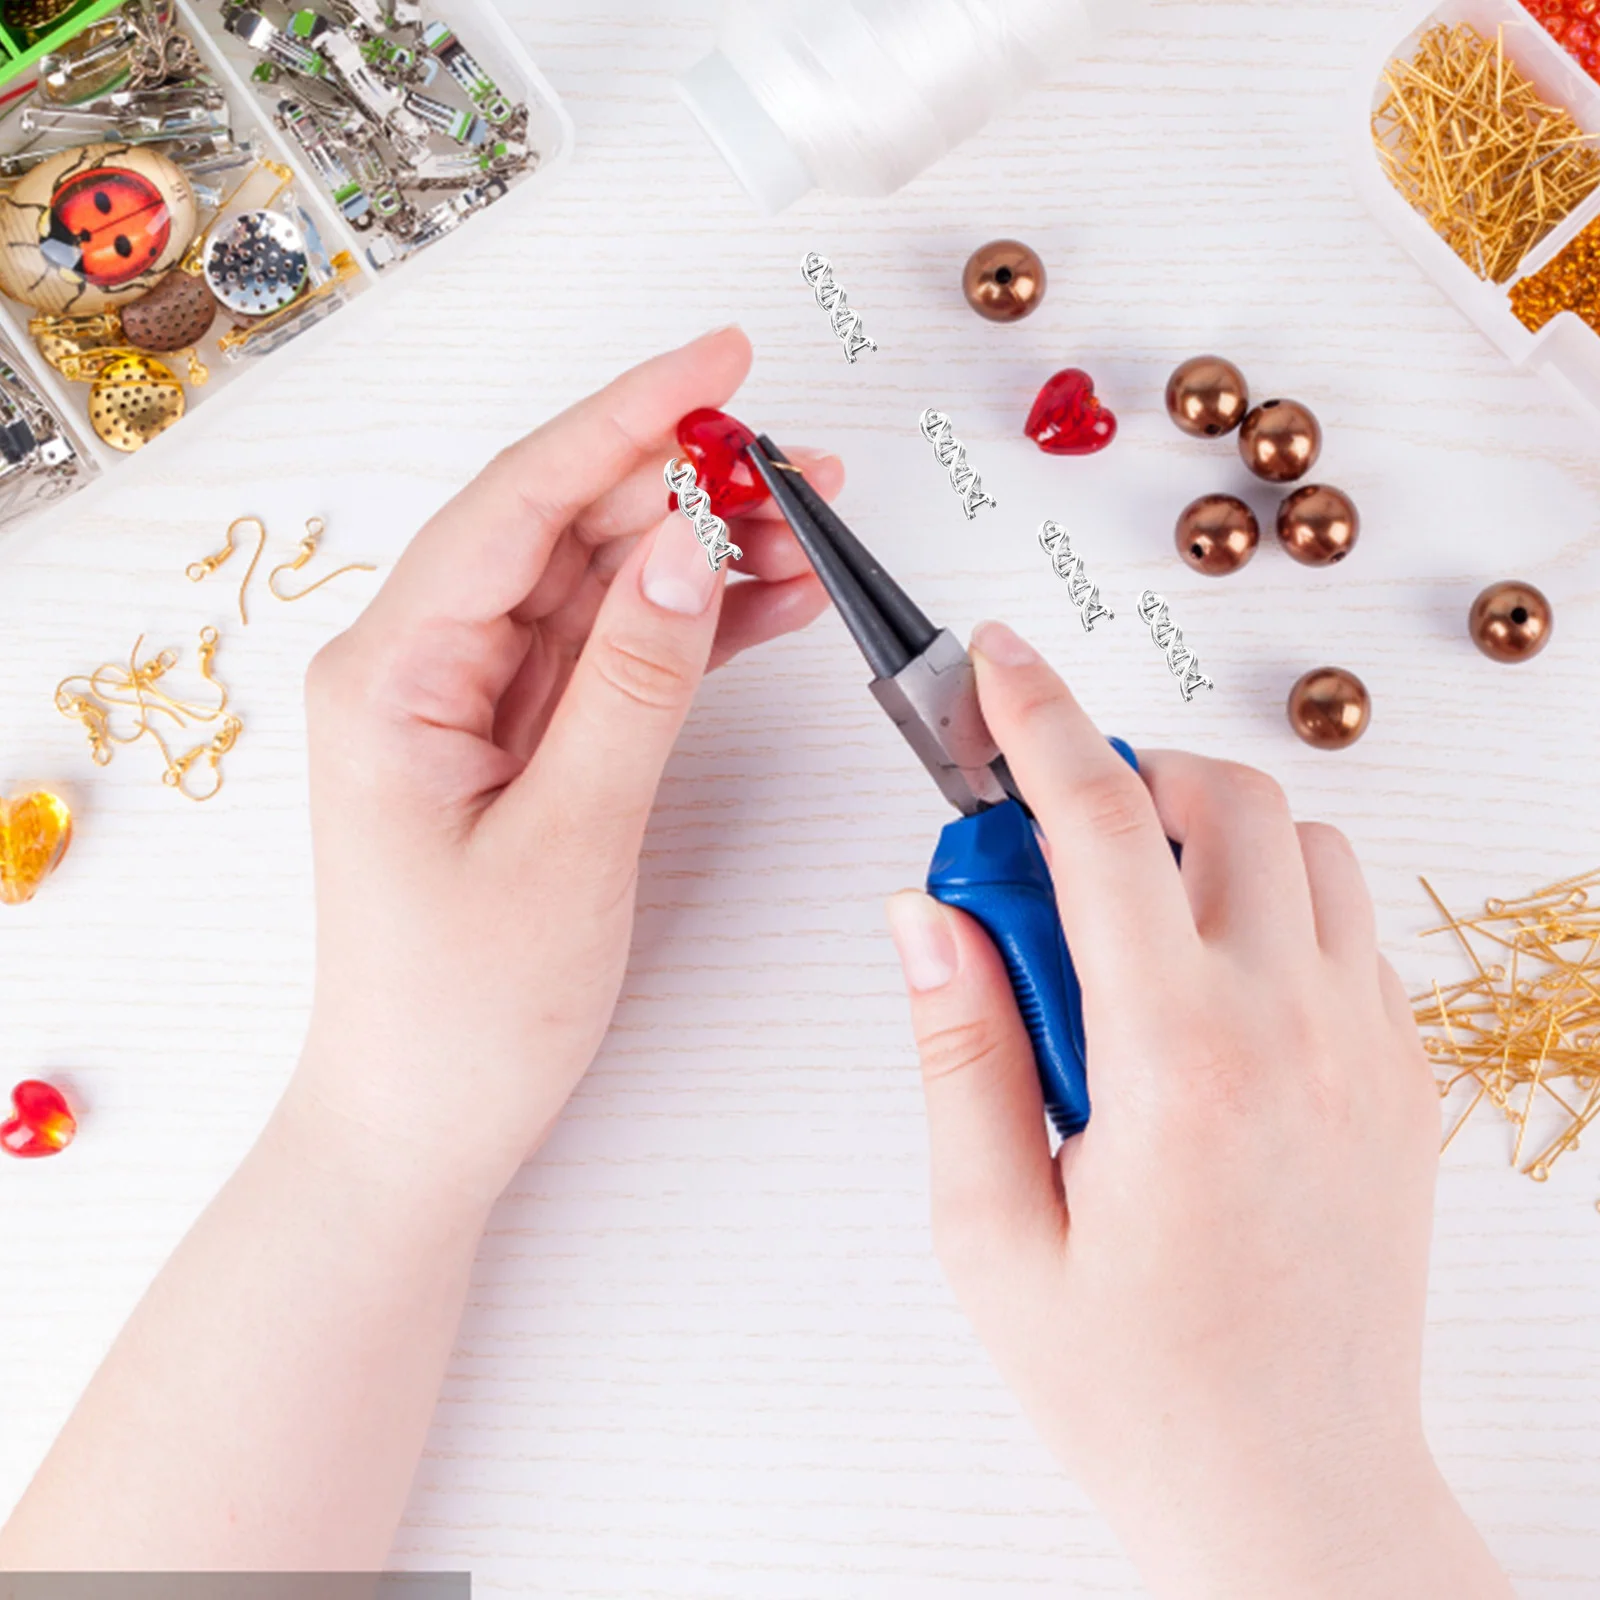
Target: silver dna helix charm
(1081, 591)
(695, 504)
(1181, 659)
(818, 272)
(952, 454)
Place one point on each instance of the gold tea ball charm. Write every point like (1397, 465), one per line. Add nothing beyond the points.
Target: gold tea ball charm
(1330, 708)
(93, 227)
(1511, 622)
(175, 315)
(1217, 534)
(1318, 526)
(134, 399)
(1207, 397)
(1280, 441)
(1004, 281)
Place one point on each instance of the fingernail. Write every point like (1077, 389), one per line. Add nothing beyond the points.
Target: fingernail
(677, 576)
(1000, 645)
(921, 934)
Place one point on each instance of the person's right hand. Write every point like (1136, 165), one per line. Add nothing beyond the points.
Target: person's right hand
(1212, 1304)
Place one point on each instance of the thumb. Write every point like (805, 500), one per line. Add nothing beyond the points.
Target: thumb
(995, 1195)
(595, 774)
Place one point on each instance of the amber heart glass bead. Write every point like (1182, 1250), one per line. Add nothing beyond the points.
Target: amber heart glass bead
(41, 1123)
(1068, 419)
(35, 830)
(716, 444)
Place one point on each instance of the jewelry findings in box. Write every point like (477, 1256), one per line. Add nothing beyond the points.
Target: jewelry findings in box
(155, 241)
(405, 129)
(39, 460)
(1483, 160)
(130, 194)
(1468, 139)
(1571, 23)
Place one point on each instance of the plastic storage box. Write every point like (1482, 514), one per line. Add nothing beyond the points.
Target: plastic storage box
(21, 45)
(463, 79)
(1566, 351)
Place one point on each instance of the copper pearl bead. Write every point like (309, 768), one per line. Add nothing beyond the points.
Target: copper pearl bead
(1511, 622)
(1330, 708)
(1004, 281)
(1318, 526)
(1280, 441)
(1217, 534)
(1207, 397)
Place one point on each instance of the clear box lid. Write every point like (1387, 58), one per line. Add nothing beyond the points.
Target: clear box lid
(1565, 351)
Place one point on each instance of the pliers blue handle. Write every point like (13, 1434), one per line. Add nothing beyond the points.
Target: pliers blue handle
(992, 867)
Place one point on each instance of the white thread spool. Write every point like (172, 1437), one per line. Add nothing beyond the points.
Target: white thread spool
(859, 96)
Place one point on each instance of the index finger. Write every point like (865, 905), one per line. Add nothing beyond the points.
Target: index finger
(482, 554)
(1122, 901)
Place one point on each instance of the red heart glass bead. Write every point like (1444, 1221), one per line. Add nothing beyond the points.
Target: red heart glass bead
(41, 1123)
(1067, 419)
(716, 444)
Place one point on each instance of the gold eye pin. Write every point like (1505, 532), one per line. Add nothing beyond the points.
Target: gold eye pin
(1522, 1034)
(1472, 143)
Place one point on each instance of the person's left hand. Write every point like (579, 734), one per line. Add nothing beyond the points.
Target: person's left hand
(486, 743)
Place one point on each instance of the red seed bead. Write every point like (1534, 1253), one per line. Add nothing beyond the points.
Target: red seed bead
(41, 1123)
(716, 444)
(1571, 23)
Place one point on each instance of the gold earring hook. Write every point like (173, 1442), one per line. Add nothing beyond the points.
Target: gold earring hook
(203, 568)
(306, 549)
(207, 652)
(126, 686)
(82, 709)
(135, 686)
(179, 767)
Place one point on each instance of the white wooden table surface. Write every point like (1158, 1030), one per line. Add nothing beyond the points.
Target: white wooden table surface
(708, 1352)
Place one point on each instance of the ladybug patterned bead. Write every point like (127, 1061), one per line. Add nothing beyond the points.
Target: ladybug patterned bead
(107, 225)
(93, 227)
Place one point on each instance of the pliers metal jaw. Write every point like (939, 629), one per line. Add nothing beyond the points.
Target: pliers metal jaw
(933, 701)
